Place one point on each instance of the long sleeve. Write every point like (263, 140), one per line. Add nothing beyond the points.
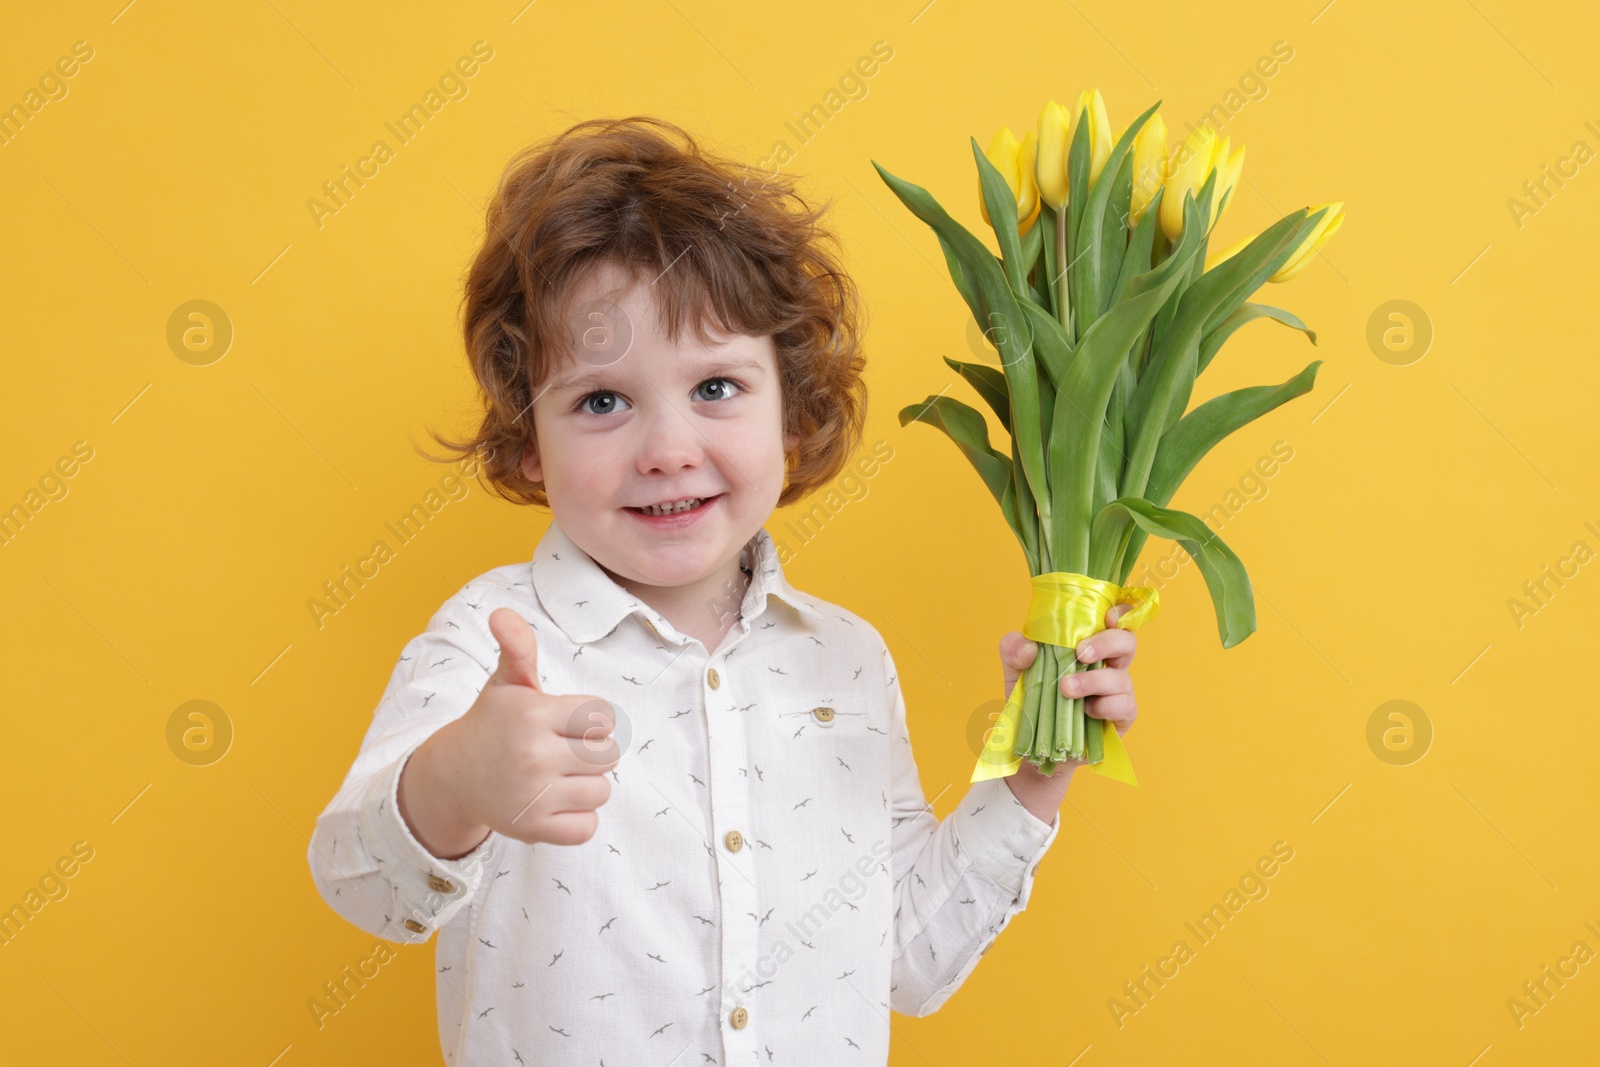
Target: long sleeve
(957, 882)
(364, 859)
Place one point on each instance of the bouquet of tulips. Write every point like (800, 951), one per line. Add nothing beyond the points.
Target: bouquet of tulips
(1104, 307)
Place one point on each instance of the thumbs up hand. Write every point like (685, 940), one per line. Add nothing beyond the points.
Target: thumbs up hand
(524, 763)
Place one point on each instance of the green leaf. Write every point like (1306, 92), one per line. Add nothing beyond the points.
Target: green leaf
(1198, 432)
(1168, 381)
(1136, 260)
(1002, 205)
(1225, 575)
(1084, 393)
(1239, 280)
(965, 426)
(1092, 269)
(1049, 219)
(1077, 196)
(990, 384)
(999, 313)
(1246, 313)
(962, 277)
(1038, 283)
(1050, 344)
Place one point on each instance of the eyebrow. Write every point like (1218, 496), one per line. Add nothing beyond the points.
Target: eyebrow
(599, 376)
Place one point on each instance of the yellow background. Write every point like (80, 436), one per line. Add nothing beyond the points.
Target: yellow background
(219, 498)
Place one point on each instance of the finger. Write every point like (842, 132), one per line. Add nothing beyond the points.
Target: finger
(519, 650)
(1016, 651)
(1120, 709)
(590, 719)
(1117, 611)
(1103, 681)
(1115, 647)
(596, 753)
(566, 828)
(572, 793)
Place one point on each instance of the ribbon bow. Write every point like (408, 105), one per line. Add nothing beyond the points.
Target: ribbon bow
(1067, 608)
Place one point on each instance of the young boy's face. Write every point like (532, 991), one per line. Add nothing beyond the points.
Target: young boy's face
(632, 418)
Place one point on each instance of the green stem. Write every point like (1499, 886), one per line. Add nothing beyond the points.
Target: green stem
(1064, 300)
(1051, 714)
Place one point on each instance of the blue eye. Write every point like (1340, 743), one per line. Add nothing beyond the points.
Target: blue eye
(583, 407)
(583, 404)
(727, 381)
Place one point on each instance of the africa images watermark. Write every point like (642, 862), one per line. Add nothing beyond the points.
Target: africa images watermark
(1252, 886)
(1551, 180)
(850, 887)
(338, 592)
(1252, 486)
(1538, 592)
(337, 192)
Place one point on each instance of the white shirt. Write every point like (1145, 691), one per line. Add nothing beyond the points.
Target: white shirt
(767, 880)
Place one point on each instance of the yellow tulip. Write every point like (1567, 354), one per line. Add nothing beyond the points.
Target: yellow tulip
(1052, 160)
(1149, 166)
(1015, 161)
(1320, 234)
(1217, 257)
(1228, 168)
(1191, 163)
(1099, 130)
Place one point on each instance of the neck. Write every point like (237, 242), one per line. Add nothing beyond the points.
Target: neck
(706, 609)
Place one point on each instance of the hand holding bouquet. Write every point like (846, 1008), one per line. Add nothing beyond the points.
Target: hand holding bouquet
(1103, 319)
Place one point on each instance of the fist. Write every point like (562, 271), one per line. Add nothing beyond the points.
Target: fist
(1109, 688)
(532, 764)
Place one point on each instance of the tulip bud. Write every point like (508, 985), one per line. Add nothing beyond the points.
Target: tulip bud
(1320, 234)
(1052, 144)
(1190, 164)
(1149, 166)
(1099, 130)
(1015, 162)
(1228, 169)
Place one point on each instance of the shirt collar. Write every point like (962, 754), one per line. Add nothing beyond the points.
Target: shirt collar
(587, 604)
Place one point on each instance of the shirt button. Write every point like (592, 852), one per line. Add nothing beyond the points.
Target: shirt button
(734, 840)
(414, 926)
(738, 1018)
(440, 885)
(822, 714)
(712, 679)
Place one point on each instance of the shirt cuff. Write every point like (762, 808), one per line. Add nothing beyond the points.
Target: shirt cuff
(427, 890)
(1000, 836)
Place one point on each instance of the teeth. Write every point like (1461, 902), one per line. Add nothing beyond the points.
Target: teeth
(668, 509)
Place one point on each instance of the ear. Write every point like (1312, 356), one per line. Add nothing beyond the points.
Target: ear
(790, 442)
(532, 469)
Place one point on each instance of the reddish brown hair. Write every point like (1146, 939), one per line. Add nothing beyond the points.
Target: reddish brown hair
(746, 253)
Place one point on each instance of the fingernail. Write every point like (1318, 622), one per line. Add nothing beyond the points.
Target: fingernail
(1085, 652)
(1072, 685)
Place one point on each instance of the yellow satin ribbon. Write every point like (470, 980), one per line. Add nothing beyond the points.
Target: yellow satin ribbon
(1068, 608)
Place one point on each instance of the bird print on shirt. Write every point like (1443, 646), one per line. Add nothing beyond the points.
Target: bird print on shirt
(802, 654)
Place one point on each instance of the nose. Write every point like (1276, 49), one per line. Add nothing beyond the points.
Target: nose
(670, 440)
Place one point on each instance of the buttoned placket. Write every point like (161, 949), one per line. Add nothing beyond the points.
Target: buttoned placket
(731, 840)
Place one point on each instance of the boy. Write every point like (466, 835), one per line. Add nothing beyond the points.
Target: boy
(769, 880)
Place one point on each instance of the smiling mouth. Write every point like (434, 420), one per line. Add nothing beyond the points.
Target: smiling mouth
(677, 507)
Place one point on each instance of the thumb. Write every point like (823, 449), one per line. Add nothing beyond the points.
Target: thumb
(519, 650)
(1016, 653)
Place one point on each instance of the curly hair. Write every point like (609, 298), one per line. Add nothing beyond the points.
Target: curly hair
(746, 252)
